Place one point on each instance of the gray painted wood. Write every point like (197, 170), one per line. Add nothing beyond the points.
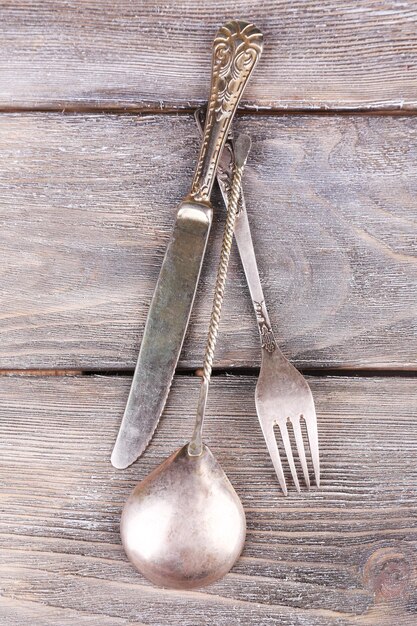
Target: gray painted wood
(136, 55)
(87, 203)
(87, 206)
(341, 554)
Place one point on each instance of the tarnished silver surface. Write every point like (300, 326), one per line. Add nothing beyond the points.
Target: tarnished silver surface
(164, 332)
(184, 525)
(283, 396)
(236, 50)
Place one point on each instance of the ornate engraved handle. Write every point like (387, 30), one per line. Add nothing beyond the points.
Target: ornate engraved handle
(236, 50)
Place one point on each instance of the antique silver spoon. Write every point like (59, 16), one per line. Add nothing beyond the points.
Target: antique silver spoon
(184, 526)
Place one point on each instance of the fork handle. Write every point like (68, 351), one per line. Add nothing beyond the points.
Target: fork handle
(247, 254)
(244, 242)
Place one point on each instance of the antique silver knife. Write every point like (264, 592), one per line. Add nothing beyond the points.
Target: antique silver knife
(236, 50)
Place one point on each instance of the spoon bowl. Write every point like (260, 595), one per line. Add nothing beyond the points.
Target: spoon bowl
(184, 526)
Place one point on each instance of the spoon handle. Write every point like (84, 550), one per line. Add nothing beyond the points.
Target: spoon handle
(242, 147)
(236, 50)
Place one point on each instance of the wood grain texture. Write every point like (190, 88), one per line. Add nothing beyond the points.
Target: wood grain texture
(87, 205)
(342, 554)
(136, 55)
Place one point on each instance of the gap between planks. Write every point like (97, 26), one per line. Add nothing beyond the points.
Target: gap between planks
(239, 371)
(242, 111)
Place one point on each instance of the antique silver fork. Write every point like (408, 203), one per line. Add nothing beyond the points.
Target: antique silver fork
(282, 395)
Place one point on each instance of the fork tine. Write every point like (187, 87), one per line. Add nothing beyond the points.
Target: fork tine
(311, 424)
(287, 445)
(272, 446)
(300, 449)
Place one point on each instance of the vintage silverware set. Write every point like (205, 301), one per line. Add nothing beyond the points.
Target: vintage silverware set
(184, 526)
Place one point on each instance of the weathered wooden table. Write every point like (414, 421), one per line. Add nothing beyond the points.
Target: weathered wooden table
(97, 145)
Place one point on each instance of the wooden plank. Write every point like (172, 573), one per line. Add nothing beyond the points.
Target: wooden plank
(137, 55)
(341, 554)
(87, 206)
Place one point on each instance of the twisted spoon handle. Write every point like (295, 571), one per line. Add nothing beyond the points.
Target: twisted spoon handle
(242, 147)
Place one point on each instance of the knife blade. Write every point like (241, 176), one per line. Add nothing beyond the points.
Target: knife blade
(164, 332)
(236, 50)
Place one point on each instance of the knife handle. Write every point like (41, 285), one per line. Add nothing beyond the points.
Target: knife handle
(236, 50)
